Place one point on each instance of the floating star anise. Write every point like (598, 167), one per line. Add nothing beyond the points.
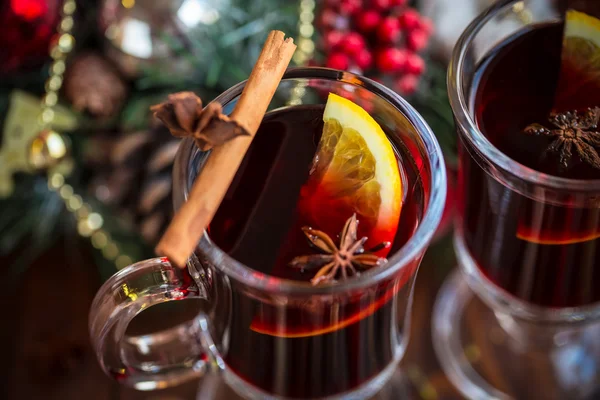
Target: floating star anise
(347, 260)
(572, 131)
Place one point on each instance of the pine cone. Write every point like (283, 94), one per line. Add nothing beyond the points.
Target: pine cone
(92, 84)
(134, 177)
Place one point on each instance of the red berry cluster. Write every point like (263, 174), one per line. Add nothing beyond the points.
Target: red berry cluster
(379, 38)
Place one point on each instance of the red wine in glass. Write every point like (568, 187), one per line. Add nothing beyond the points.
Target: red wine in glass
(541, 252)
(312, 350)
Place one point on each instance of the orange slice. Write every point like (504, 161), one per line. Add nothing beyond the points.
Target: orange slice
(355, 170)
(580, 60)
(581, 40)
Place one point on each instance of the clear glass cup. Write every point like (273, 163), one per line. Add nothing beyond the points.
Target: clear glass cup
(359, 326)
(520, 236)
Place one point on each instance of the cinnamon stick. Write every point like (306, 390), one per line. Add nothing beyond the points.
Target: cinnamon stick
(190, 222)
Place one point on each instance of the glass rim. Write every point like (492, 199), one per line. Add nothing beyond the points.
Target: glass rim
(490, 153)
(411, 249)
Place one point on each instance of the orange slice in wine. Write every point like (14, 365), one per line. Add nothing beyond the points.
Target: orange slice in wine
(580, 65)
(581, 41)
(556, 236)
(559, 226)
(297, 321)
(355, 170)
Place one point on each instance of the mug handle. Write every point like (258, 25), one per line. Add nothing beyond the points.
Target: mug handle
(161, 359)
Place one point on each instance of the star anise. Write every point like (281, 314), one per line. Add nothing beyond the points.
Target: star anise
(347, 260)
(572, 131)
(184, 115)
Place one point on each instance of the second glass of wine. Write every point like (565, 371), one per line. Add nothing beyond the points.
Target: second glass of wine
(270, 326)
(520, 317)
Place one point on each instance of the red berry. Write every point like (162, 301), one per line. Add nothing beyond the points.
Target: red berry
(368, 20)
(363, 59)
(333, 39)
(399, 3)
(328, 18)
(338, 61)
(426, 25)
(415, 64)
(382, 4)
(350, 6)
(417, 40)
(391, 59)
(410, 19)
(389, 30)
(332, 3)
(353, 43)
(407, 84)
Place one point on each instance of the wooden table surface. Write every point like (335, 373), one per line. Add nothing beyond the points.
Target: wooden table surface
(47, 354)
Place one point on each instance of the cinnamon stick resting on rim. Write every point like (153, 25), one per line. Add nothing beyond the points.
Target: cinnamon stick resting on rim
(191, 220)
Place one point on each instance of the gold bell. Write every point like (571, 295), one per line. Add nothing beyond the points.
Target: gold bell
(47, 149)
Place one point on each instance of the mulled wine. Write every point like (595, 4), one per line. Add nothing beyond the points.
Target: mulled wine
(329, 344)
(540, 251)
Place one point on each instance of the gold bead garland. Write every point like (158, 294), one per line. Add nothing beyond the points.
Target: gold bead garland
(90, 223)
(49, 149)
(306, 29)
(306, 46)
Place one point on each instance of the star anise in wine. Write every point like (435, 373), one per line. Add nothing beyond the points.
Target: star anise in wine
(572, 131)
(349, 259)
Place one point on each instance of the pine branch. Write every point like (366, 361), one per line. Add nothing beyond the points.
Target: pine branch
(33, 213)
(223, 53)
(431, 101)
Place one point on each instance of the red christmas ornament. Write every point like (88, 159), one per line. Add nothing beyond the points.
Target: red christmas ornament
(389, 30)
(28, 27)
(29, 9)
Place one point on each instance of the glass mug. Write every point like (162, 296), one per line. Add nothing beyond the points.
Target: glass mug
(358, 328)
(521, 246)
